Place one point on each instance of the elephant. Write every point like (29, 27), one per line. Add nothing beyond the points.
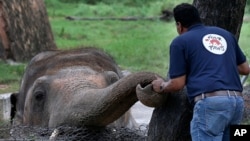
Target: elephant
(79, 87)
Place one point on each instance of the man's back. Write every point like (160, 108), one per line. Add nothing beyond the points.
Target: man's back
(208, 61)
(209, 53)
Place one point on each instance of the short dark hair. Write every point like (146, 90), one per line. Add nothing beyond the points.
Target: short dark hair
(186, 14)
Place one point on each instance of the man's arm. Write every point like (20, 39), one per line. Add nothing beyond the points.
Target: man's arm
(160, 86)
(244, 68)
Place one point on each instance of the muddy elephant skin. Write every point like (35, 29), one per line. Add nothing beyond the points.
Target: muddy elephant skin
(77, 87)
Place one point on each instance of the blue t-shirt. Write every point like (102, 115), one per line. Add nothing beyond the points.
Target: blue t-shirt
(208, 56)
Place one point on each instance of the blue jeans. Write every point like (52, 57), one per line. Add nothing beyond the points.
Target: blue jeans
(213, 116)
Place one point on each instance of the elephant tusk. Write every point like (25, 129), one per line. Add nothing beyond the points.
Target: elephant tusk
(148, 97)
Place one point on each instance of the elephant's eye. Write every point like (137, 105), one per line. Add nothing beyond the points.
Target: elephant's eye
(39, 95)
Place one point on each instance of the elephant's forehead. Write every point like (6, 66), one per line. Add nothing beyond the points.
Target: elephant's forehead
(82, 77)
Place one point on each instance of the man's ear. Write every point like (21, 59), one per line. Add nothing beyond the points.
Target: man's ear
(178, 23)
(179, 27)
(13, 102)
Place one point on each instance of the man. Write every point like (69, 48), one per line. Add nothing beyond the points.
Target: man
(208, 60)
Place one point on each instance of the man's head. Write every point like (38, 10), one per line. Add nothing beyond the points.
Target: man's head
(185, 15)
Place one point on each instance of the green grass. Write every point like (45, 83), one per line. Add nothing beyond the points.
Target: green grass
(244, 39)
(136, 46)
(131, 43)
(10, 76)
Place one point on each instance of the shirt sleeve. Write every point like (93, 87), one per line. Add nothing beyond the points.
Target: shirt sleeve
(177, 65)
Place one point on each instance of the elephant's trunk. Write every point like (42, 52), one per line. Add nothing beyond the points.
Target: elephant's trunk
(148, 97)
(116, 99)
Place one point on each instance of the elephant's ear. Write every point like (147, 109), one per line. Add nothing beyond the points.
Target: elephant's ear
(111, 77)
(150, 98)
(13, 102)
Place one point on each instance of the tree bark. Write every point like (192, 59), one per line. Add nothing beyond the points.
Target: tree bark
(24, 29)
(227, 14)
(171, 122)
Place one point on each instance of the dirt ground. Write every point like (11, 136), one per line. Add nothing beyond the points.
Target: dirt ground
(246, 95)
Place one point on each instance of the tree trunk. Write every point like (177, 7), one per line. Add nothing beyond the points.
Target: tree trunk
(24, 29)
(171, 122)
(227, 14)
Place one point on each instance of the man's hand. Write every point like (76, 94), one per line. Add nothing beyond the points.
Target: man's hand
(158, 85)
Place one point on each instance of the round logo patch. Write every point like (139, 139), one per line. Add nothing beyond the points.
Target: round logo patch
(215, 43)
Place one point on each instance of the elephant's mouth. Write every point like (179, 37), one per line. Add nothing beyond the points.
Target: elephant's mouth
(148, 97)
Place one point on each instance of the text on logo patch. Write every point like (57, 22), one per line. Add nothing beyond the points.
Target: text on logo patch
(215, 43)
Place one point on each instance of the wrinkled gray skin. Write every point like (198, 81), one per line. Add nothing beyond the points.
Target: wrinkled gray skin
(77, 87)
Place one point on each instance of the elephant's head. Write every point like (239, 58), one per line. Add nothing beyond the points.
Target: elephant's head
(77, 87)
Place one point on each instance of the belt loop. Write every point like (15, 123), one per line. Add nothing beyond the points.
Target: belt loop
(202, 96)
(228, 93)
(235, 94)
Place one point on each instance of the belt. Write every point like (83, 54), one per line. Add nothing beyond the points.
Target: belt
(217, 93)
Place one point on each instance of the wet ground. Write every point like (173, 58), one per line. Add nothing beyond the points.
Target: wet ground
(141, 113)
